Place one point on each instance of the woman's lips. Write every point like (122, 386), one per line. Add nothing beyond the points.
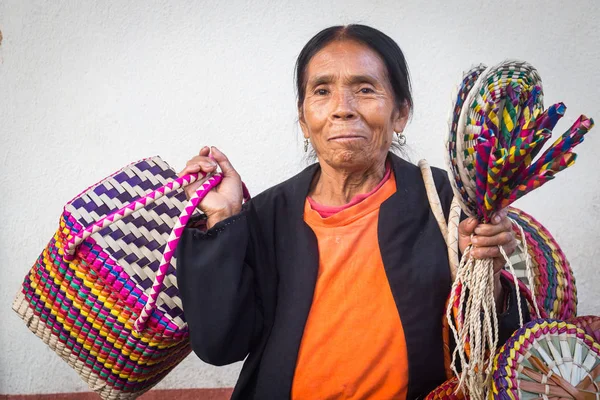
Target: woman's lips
(346, 137)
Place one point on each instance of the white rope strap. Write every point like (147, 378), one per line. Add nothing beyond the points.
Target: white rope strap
(453, 221)
(450, 230)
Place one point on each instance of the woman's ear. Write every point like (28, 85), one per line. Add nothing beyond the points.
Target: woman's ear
(302, 122)
(401, 118)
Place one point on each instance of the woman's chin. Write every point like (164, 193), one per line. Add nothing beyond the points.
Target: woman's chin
(349, 158)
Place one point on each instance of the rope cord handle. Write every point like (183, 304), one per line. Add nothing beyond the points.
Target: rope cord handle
(450, 230)
(208, 184)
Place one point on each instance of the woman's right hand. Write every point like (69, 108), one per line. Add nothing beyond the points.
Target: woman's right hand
(226, 199)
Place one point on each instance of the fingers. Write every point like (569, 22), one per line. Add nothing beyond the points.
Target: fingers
(467, 227)
(489, 237)
(500, 216)
(499, 239)
(204, 152)
(494, 228)
(498, 265)
(493, 251)
(224, 164)
(200, 163)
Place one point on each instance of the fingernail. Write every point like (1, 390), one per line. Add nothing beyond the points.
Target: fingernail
(497, 219)
(477, 230)
(474, 240)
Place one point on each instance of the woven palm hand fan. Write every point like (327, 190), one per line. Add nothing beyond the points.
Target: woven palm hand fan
(554, 282)
(497, 128)
(589, 323)
(547, 359)
(554, 285)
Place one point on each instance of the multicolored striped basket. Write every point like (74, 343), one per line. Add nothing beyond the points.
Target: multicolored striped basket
(547, 359)
(103, 293)
(555, 290)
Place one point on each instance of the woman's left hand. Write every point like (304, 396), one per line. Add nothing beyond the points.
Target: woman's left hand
(487, 237)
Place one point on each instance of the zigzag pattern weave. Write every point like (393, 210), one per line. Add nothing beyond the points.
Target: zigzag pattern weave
(103, 293)
(547, 359)
(555, 289)
(446, 391)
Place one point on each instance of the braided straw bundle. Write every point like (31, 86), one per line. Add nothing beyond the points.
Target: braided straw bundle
(497, 128)
(103, 293)
(547, 359)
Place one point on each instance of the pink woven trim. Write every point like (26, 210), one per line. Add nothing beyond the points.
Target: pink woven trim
(171, 246)
(74, 241)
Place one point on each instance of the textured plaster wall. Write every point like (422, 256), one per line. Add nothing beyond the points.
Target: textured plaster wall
(86, 87)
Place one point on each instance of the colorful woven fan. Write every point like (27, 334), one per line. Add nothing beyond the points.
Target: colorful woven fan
(547, 359)
(555, 290)
(589, 323)
(497, 129)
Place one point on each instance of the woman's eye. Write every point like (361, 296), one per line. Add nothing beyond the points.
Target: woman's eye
(321, 92)
(367, 90)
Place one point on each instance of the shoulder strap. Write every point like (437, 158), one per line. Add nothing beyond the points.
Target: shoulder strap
(450, 229)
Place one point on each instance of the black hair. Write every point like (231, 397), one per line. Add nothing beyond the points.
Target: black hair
(386, 47)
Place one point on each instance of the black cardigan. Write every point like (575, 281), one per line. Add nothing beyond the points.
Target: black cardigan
(247, 284)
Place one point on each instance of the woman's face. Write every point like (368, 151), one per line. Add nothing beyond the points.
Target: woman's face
(349, 113)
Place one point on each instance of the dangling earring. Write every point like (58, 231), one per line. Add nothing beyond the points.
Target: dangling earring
(305, 145)
(401, 138)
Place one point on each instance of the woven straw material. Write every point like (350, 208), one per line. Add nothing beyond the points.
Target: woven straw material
(484, 105)
(554, 282)
(496, 129)
(589, 323)
(85, 306)
(469, 79)
(447, 391)
(547, 359)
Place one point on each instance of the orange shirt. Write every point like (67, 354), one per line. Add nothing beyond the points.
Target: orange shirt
(353, 345)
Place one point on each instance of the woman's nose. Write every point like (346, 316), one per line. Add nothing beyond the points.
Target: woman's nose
(344, 107)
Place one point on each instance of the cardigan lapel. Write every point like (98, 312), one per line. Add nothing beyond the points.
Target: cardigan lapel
(415, 258)
(298, 260)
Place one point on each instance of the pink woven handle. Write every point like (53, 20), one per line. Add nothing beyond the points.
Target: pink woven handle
(171, 245)
(170, 248)
(211, 182)
(73, 242)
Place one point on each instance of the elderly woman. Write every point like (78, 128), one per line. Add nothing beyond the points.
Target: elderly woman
(332, 284)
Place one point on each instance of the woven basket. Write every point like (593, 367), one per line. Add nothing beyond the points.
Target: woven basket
(555, 290)
(547, 359)
(103, 293)
(589, 323)
(447, 391)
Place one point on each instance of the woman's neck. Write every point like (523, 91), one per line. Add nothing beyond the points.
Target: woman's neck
(337, 187)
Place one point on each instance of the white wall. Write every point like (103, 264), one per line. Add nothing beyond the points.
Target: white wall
(86, 87)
